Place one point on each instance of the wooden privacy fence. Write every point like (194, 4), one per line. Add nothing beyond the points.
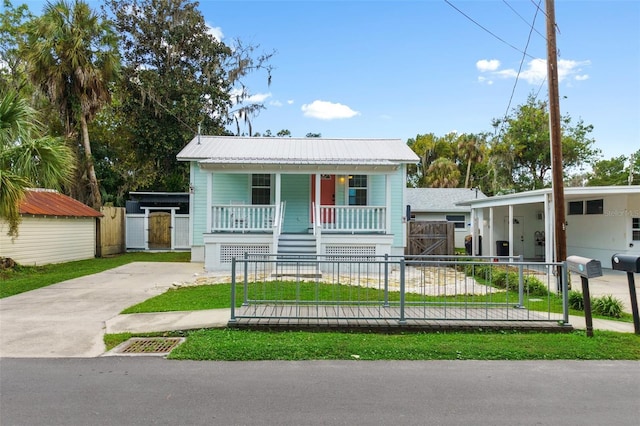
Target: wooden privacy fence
(111, 231)
(430, 238)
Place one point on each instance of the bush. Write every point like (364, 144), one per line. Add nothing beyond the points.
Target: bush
(607, 306)
(534, 287)
(576, 301)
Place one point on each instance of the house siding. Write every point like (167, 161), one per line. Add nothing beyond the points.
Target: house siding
(600, 236)
(398, 225)
(296, 190)
(199, 208)
(45, 240)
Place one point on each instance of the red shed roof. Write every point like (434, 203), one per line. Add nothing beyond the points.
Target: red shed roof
(47, 202)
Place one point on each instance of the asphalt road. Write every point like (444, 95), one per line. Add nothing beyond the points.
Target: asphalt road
(143, 391)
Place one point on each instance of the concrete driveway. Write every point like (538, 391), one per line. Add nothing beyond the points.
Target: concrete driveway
(68, 319)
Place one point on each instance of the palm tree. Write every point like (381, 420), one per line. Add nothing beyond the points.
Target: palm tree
(470, 151)
(443, 173)
(27, 160)
(73, 58)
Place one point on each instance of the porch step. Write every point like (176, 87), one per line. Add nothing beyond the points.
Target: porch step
(297, 247)
(297, 244)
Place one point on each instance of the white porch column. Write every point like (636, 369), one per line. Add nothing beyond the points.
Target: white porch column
(510, 229)
(278, 197)
(209, 201)
(474, 231)
(387, 216)
(492, 243)
(317, 200)
(549, 220)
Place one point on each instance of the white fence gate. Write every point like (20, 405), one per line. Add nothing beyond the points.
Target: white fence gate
(137, 231)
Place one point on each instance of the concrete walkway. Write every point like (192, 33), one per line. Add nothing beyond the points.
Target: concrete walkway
(69, 319)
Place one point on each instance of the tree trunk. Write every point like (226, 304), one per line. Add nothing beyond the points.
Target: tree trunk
(96, 199)
(466, 181)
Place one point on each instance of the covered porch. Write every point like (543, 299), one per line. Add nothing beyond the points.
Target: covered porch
(297, 212)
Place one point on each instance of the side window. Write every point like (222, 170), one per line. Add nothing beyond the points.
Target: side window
(458, 220)
(576, 207)
(595, 206)
(358, 190)
(635, 228)
(261, 189)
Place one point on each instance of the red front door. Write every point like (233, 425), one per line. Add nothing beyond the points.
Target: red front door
(327, 195)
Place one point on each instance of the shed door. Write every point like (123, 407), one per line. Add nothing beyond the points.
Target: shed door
(160, 230)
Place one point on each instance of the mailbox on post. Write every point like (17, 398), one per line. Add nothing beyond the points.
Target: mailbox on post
(625, 262)
(630, 264)
(586, 268)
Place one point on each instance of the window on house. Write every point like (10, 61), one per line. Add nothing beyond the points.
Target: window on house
(595, 206)
(358, 190)
(261, 189)
(576, 207)
(458, 220)
(635, 228)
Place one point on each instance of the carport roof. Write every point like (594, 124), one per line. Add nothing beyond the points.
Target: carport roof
(47, 202)
(538, 196)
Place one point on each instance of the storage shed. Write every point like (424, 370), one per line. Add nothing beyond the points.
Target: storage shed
(55, 228)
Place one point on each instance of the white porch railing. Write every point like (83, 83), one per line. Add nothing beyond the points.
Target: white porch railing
(242, 218)
(353, 218)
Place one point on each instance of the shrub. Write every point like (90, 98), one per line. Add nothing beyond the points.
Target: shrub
(576, 301)
(533, 286)
(608, 306)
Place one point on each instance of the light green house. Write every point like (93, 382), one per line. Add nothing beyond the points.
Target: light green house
(295, 196)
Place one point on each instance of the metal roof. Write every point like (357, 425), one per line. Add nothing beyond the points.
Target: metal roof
(310, 151)
(440, 199)
(47, 202)
(538, 195)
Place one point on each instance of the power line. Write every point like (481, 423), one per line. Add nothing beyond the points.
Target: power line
(524, 20)
(485, 29)
(515, 83)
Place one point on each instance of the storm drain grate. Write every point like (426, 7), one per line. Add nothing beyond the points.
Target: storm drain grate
(150, 345)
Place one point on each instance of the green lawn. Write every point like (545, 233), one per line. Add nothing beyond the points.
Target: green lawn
(242, 345)
(25, 278)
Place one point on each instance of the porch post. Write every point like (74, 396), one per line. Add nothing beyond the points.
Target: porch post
(510, 229)
(387, 216)
(278, 189)
(316, 220)
(209, 200)
(548, 226)
(491, 236)
(474, 232)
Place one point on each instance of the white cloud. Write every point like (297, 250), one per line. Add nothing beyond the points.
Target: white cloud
(290, 102)
(257, 98)
(216, 32)
(485, 65)
(535, 71)
(324, 110)
(275, 103)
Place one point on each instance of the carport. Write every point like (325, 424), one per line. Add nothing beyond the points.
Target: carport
(600, 221)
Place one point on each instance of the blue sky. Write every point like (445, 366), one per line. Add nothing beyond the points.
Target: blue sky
(401, 68)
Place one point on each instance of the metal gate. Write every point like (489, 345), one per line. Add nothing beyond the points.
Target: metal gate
(430, 238)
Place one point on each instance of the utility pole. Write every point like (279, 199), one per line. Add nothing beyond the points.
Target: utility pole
(555, 134)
